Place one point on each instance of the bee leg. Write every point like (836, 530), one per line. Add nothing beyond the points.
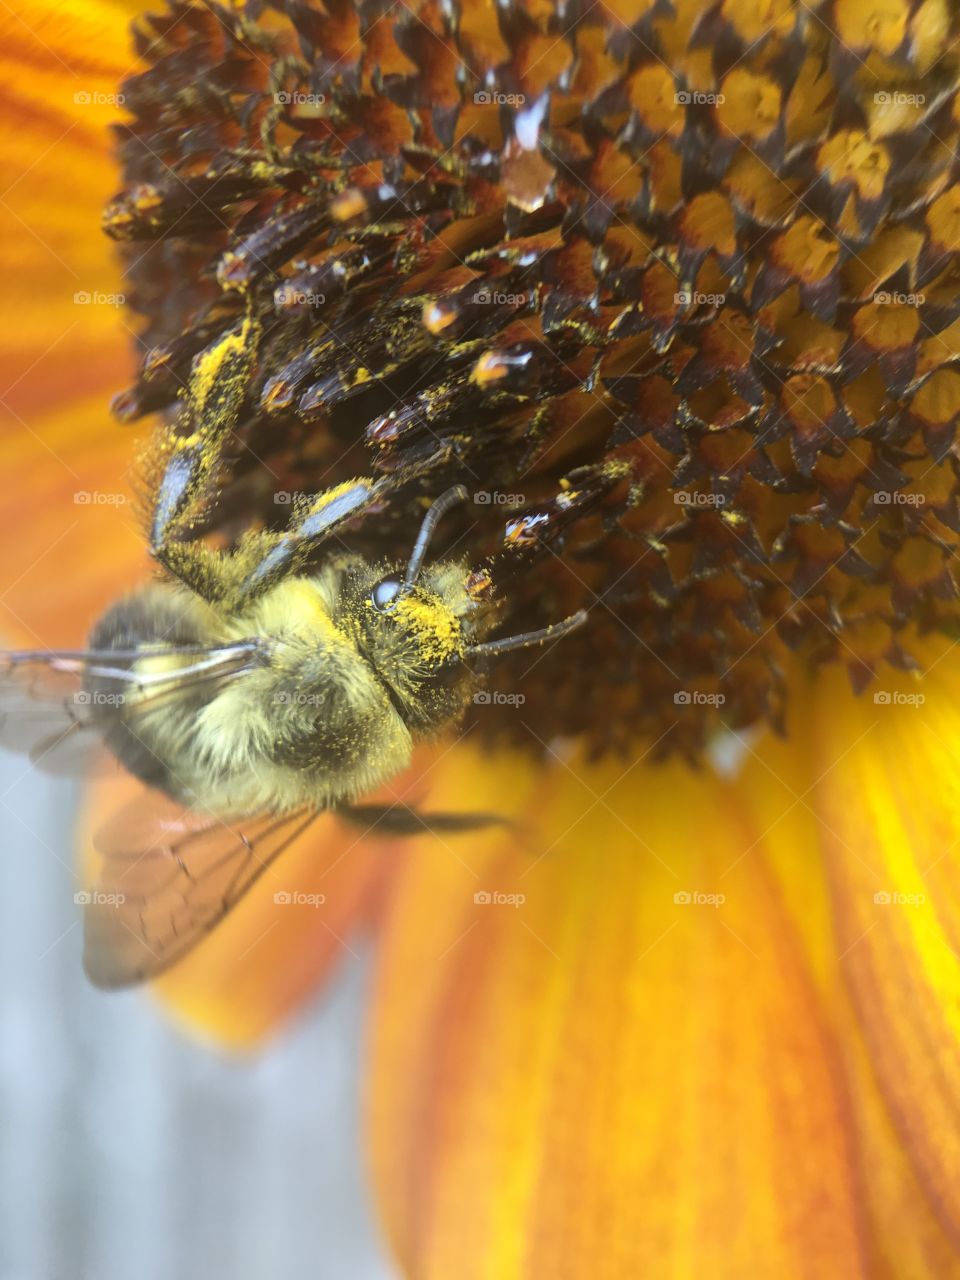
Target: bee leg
(280, 554)
(273, 556)
(191, 450)
(399, 820)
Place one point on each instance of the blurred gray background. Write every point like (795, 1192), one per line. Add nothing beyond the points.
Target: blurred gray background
(128, 1150)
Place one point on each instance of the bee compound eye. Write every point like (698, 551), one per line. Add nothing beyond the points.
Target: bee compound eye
(385, 592)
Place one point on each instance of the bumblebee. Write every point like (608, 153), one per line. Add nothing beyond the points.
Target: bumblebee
(248, 696)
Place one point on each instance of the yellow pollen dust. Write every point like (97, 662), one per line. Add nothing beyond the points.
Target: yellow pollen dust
(208, 366)
(435, 629)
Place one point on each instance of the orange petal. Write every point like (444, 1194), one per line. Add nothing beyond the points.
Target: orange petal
(889, 804)
(781, 782)
(62, 557)
(598, 1078)
(60, 71)
(71, 539)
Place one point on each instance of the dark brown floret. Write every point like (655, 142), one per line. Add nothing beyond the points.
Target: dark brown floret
(671, 288)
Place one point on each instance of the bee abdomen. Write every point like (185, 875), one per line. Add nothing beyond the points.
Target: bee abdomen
(152, 618)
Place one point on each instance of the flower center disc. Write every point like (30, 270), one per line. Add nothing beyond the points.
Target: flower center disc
(677, 300)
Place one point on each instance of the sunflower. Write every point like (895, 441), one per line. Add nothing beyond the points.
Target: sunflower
(673, 288)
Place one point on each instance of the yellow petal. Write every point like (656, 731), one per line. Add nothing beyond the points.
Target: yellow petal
(783, 784)
(604, 1080)
(889, 808)
(72, 541)
(60, 71)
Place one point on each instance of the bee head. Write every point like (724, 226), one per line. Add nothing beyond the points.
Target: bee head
(421, 626)
(419, 623)
(415, 635)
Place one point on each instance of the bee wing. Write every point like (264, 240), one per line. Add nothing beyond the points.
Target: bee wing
(168, 876)
(47, 709)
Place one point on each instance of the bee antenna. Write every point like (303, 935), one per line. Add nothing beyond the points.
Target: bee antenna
(438, 510)
(527, 639)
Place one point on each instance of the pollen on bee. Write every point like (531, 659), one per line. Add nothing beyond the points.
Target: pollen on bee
(435, 629)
